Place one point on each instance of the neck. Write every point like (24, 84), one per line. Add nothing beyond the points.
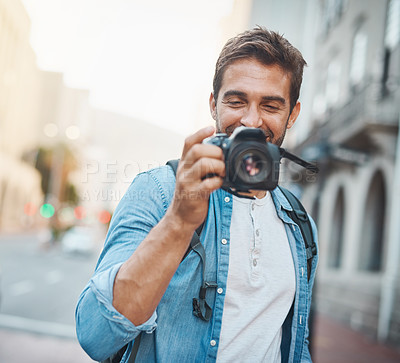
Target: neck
(255, 193)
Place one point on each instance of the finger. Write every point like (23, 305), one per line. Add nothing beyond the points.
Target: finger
(197, 138)
(211, 167)
(202, 168)
(210, 184)
(204, 189)
(199, 151)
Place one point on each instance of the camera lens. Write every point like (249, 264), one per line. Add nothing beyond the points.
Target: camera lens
(251, 164)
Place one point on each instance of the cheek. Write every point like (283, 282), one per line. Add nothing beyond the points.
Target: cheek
(227, 117)
(275, 123)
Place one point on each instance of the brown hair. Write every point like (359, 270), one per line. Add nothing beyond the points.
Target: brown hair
(269, 48)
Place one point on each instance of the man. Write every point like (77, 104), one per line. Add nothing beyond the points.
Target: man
(254, 262)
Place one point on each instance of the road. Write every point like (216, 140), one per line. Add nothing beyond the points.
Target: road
(40, 286)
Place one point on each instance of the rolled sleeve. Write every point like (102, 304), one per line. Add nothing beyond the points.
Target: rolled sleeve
(116, 330)
(102, 287)
(101, 329)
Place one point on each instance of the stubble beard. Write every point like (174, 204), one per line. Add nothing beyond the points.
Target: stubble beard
(269, 135)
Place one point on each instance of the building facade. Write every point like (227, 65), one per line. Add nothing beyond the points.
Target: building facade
(19, 88)
(353, 135)
(37, 111)
(349, 125)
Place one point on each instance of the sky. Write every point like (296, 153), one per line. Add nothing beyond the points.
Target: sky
(150, 59)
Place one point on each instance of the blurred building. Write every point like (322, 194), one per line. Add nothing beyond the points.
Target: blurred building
(352, 132)
(298, 22)
(235, 20)
(63, 128)
(64, 112)
(120, 147)
(37, 112)
(19, 90)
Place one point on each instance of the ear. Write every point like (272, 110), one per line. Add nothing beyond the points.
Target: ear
(213, 106)
(293, 116)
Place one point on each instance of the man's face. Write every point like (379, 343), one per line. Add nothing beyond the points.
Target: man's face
(254, 95)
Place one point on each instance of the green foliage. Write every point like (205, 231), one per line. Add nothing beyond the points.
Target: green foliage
(46, 164)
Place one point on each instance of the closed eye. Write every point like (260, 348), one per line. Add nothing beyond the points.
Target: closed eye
(234, 103)
(270, 108)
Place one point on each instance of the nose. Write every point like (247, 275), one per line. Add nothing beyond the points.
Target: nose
(251, 117)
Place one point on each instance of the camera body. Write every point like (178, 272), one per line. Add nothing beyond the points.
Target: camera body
(251, 163)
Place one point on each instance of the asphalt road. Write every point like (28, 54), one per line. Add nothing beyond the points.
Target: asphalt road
(40, 285)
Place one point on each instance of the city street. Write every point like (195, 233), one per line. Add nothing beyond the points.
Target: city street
(40, 282)
(40, 285)
(22, 347)
(39, 289)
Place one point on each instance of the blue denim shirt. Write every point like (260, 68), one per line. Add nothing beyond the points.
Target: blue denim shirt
(173, 333)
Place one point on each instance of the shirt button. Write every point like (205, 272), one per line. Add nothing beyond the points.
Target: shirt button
(213, 343)
(220, 290)
(257, 232)
(254, 263)
(227, 199)
(224, 241)
(253, 206)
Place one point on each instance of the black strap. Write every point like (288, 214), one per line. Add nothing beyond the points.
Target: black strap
(300, 217)
(116, 358)
(135, 349)
(201, 309)
(173, 164)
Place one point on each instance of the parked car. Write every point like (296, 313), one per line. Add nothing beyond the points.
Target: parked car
(79, 240)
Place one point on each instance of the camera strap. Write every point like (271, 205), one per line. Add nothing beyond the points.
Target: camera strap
(201, 309)
(299, 215)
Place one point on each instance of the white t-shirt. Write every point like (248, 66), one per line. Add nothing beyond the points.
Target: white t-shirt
(261, 284)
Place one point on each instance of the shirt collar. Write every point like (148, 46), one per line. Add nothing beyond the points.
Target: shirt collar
(280, 200)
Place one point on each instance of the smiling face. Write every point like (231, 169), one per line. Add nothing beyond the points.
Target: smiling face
(254, 95)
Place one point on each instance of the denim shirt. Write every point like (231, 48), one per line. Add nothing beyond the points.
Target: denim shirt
(173, 333)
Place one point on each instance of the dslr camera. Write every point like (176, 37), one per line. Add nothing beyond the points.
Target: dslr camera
(251, 163)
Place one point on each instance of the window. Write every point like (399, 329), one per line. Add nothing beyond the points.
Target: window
(358, 58)
(332, 12)
(336, 237)
(392, 40)
(333, 83)
(392, 33)
(373, 226)
(315, 210)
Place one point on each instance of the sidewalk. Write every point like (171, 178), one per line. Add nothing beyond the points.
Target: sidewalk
(334, 342)
(19, 347)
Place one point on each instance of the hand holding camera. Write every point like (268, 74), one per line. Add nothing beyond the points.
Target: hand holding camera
(190, 202)
(251, 163)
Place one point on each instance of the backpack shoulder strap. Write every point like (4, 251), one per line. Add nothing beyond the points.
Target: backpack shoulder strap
(200, 306)
(300, 217)
(173, 164)
(201, 309)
